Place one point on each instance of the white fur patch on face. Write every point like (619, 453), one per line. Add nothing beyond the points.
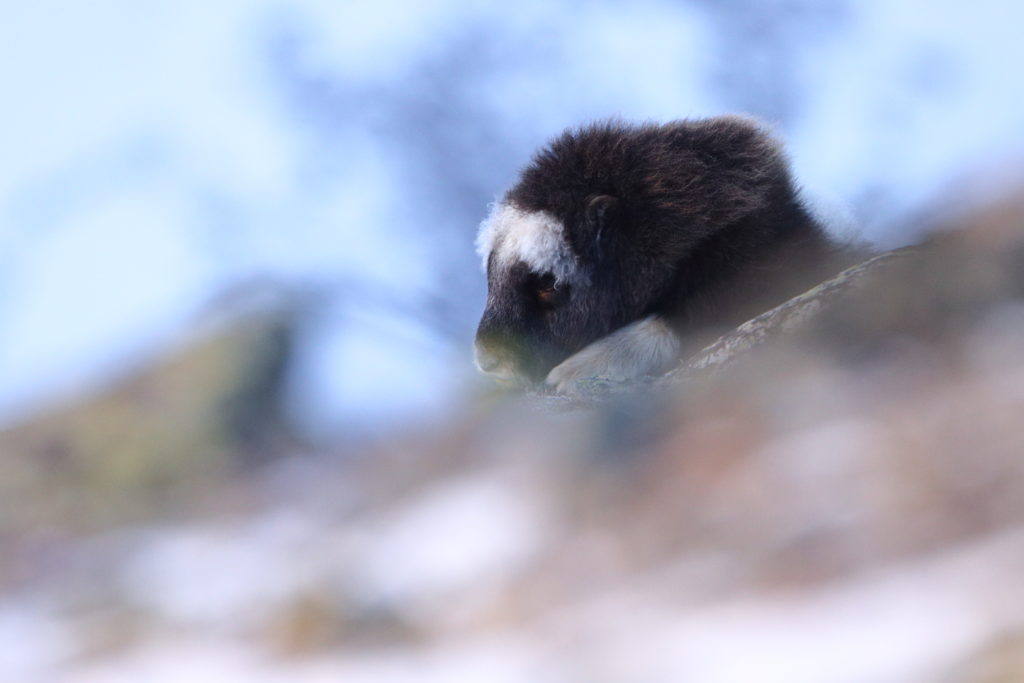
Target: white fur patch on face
(534, 237)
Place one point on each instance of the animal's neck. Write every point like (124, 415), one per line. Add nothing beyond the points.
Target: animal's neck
(750, 267)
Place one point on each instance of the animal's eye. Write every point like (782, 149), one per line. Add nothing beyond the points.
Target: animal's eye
(547, 295)
(546, 290)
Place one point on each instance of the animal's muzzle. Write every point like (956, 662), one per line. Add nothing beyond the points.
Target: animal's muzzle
(486, 361)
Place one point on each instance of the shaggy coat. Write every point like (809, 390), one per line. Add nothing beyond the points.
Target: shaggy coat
(620, 243)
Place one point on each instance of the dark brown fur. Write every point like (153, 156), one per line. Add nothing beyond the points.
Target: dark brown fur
(695, 221)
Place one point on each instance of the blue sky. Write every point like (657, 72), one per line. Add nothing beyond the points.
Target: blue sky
(156, 153)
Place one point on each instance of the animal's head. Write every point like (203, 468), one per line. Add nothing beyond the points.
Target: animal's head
(599, 226)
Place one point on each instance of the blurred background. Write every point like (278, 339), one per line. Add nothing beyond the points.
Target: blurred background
(168, 163)
(238, 291)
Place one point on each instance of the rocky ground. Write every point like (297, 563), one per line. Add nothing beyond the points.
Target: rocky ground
(833, 493)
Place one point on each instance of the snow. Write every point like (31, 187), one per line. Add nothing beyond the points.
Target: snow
(222, 575)
(910, 621)
(32, 643)
(459, 538)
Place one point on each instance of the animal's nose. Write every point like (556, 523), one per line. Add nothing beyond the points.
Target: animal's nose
(485, 360)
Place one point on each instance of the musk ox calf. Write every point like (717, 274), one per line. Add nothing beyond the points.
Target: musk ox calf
(622, 247)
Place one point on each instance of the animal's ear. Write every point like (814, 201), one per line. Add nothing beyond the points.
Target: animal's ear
(599, 217)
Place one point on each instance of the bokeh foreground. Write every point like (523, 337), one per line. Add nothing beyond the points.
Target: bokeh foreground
(847, 505)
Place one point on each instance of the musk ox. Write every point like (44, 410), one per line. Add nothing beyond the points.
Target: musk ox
(622, 246)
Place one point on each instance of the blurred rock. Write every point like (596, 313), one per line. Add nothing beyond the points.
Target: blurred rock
(833, 492)
(158, 438)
